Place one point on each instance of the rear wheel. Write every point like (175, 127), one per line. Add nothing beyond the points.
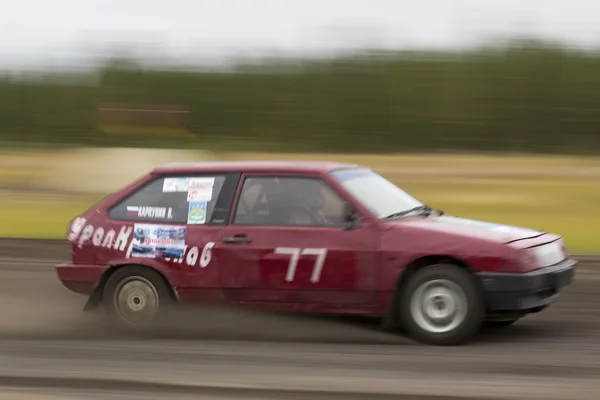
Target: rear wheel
(441, 305)
(136, 297)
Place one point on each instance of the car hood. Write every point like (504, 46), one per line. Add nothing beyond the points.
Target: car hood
(470, 228)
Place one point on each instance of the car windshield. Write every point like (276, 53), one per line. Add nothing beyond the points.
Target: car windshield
(375, 192)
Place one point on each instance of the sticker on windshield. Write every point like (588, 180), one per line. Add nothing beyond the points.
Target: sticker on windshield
(200, 189)
(175, 184)
(197, 212)
(199, 195)
(150, 212)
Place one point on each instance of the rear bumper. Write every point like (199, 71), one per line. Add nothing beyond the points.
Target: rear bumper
(80, 278)
(505, 292)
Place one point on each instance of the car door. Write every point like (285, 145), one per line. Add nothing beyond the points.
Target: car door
(276, 251)
(174, 224)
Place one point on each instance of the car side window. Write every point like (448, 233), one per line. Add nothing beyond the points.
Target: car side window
(288, 201)
(172, 199)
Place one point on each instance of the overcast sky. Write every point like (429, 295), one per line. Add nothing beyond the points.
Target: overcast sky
(59, 31)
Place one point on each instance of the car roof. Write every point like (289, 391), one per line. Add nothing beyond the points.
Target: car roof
(252, 166)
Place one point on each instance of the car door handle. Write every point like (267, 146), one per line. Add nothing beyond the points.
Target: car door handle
(237, 239)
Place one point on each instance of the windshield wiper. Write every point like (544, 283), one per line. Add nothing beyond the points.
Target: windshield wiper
(424, 208)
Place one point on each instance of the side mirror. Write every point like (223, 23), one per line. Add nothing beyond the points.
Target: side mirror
(351, 217)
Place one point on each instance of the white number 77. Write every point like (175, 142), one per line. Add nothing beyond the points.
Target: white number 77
(295, 254)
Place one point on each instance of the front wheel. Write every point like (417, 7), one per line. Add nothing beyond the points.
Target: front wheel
(441, 305)
(136, 298)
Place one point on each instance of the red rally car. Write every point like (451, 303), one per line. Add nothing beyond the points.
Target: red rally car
(311, 237)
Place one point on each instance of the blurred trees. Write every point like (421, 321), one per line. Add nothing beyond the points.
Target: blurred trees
(528, 96)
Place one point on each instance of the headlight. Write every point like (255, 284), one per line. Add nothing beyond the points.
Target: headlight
(546, 254)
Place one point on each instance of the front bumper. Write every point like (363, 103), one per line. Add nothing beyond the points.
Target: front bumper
(531, 291)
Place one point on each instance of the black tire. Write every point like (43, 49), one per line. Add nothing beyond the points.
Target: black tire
(456, 280)
(141, 282)
(500, 323)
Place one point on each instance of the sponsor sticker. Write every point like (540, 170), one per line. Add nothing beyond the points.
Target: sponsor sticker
(200, 189)
(158, 241)
(199, 195)
(197, 212)
(175, 184)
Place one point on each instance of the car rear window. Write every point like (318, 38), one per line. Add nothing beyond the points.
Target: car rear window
(175, 199)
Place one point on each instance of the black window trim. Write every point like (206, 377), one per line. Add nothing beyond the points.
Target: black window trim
(292, 175)
(229, 176)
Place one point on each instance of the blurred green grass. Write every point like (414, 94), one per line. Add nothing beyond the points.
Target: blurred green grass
(568, 208)
(556, 194)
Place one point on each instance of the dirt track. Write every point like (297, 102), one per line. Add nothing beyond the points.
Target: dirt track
(47, 342)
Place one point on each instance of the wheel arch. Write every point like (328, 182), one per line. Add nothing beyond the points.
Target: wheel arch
(96, 296)
(390, 319)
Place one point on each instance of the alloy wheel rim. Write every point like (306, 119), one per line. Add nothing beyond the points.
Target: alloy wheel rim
(136, 300)
(438, 306)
